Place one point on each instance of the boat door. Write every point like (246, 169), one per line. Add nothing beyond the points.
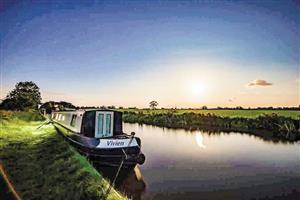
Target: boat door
(104, 124)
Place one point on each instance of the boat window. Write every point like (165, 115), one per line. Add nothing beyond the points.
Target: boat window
(104, 124)
(100, 123)
(73, 120)
(108, 124)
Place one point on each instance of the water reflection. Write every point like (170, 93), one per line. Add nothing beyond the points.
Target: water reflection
(199, 140)
(232, 166)
(129, 181)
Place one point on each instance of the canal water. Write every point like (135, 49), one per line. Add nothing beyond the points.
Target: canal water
(181, 164)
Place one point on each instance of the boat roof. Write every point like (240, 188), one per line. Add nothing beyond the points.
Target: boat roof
(84, 110)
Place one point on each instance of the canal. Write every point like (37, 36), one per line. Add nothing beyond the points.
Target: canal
(181, 164)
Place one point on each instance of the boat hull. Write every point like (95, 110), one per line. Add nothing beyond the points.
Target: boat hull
(126, 156)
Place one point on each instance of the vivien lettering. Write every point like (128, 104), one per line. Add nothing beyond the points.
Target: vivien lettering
(112, 143)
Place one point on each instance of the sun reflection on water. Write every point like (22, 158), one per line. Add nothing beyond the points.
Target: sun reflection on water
(199, 140)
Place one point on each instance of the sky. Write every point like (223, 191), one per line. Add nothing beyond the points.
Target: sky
(179, 53)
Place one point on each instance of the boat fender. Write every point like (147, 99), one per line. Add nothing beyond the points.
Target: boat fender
(141, 159)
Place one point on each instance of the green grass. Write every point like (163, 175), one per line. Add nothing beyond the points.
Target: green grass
(295, 114)
(42, 165)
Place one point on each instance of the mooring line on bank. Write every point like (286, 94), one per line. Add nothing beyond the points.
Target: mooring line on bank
(9, 184)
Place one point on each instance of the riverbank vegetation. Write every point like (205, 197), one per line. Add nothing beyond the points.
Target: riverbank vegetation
(282, 125)
(232, 113)
(42, 165)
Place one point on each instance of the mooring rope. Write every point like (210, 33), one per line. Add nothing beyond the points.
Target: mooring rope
(119, 169)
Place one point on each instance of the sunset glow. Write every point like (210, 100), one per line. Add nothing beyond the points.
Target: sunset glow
(181, 55)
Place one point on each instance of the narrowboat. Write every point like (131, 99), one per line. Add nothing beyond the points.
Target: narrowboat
(98, 134)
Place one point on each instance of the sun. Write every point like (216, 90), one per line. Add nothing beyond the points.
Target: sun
(197, 88)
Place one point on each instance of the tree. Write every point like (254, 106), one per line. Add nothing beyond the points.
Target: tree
(153, 104)
(63, 105)
(48, 106)
(52, 105)
(26, 95)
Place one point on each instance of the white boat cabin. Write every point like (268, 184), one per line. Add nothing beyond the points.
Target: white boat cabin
(91, 123)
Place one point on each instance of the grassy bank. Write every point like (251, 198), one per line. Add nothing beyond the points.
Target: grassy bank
(264, 125)
(42, 165)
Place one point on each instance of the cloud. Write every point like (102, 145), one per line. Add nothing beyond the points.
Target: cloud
(260, 83)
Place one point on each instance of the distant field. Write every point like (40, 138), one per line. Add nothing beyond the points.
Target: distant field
(295, 114)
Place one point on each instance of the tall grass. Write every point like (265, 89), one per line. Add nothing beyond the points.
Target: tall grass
(42, 165)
